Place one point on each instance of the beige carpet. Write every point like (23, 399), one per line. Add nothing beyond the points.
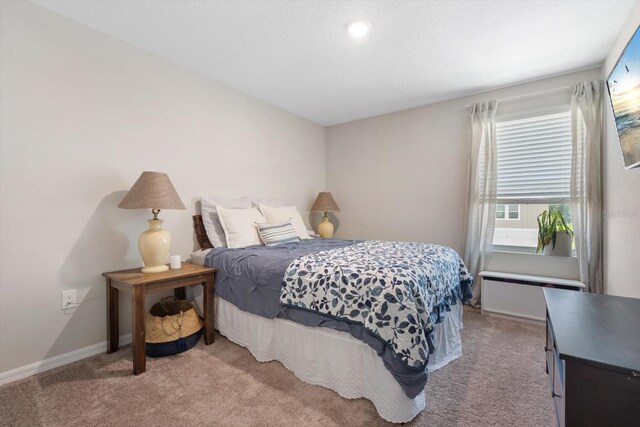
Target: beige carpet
(500, 380)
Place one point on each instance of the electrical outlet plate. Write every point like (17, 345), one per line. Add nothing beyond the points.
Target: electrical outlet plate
(69, 299)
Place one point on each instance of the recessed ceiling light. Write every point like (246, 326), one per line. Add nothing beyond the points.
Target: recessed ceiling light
(359, 28)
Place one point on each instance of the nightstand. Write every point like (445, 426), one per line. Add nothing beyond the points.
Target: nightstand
(138, 284)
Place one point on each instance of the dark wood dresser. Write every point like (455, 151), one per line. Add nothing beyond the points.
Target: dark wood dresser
(593, 358)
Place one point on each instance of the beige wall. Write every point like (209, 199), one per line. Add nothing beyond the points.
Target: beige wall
(621, 219)
(82, 115)
(404, 176)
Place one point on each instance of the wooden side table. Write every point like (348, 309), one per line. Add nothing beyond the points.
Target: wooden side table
(138, 284)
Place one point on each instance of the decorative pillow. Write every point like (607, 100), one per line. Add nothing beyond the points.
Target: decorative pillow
(212, 225)
(274, 203)
(277, 234)
(240, 226)
(286, 213)
(201, 233)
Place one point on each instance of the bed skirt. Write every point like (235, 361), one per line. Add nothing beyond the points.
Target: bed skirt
(334, 359)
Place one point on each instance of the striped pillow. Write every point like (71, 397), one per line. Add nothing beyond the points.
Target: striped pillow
(277, 234)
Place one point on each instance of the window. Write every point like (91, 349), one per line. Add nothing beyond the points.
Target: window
(507, 211)
(534, 171)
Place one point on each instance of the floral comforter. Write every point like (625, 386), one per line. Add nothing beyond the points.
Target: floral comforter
(398, 291)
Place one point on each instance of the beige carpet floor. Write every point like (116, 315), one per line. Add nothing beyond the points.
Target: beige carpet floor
(500, 380)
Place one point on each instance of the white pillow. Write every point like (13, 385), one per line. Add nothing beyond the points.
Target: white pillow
(212, 225)
(274, 203)
(274, 215)
(240, 226)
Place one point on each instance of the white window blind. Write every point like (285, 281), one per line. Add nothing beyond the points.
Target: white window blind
(534, 159)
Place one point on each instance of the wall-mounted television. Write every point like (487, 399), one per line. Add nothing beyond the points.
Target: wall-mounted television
(624, 92)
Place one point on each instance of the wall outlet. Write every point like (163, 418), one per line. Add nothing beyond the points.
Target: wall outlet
(69, 299)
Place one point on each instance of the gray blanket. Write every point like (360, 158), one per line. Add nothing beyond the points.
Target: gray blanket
(251, 279)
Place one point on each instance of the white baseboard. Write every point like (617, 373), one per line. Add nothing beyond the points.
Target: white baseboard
(56, 361)
(513, 316)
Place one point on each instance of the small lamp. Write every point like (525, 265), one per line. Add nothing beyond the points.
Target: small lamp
(153, 190)
(325, 203)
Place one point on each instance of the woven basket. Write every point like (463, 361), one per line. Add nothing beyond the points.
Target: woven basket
(171, 328)
(168, 306)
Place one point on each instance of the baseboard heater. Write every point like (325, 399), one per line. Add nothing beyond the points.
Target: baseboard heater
(520, 295)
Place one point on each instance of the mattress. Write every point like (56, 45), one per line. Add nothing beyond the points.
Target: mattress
(199, 256)
(251, 279)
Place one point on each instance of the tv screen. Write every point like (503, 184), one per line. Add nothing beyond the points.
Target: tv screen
(624, 92)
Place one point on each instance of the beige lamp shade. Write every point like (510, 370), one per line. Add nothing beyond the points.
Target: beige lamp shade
(325, 203)
(153, 190)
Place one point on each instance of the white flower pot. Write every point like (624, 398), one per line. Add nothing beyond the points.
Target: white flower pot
(563, 245)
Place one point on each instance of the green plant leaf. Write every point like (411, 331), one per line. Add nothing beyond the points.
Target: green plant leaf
(564, 226)
(544, 229)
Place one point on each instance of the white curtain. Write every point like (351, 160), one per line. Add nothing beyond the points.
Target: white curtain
(481, 212)
(586, 191)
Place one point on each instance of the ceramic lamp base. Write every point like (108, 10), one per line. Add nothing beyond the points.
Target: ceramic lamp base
(158, 269)
(325, 229)
(154, 246)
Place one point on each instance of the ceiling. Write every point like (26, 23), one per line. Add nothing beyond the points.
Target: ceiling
(297, 55)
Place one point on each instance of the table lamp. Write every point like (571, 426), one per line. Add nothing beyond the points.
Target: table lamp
(325, 203)
(153, 190)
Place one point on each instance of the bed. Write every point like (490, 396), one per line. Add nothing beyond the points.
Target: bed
(263, 303)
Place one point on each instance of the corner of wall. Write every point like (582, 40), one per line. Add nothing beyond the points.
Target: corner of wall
(621, 190)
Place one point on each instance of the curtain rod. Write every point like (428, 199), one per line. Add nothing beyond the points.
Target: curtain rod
(527, 95)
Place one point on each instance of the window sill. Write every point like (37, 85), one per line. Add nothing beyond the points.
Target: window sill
(516, 249)
(524, 250)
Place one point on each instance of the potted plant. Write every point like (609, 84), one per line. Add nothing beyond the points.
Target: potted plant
(554, 235)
